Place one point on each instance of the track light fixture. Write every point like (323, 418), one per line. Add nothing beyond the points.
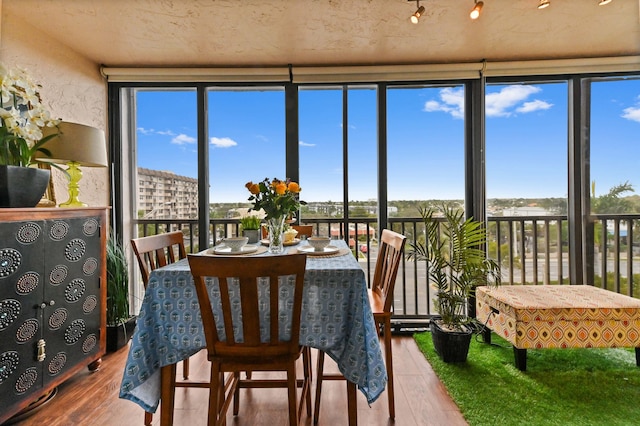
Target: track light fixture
(477, 8)
(418, 13)
(544, 3)
(603, 2)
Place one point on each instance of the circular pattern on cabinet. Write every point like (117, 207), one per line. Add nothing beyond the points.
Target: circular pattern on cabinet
(10, 260)
(75, 249)
(59, 230)
(28, 233)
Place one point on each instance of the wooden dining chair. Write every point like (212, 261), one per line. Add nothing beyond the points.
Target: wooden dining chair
(153, 252)
(303, 230)
(390, 253)
(247, 335)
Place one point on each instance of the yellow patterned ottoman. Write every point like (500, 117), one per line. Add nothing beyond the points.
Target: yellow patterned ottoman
(558, 316)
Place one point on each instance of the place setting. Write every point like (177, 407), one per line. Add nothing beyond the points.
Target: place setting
(235, 246)
(320, 246)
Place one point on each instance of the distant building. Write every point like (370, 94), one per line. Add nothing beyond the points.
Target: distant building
(336, 209)
(526, 211)
(165, 195)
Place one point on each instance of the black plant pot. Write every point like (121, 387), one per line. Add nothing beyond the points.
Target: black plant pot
(119, 335)
(22, 186)
(451, 346)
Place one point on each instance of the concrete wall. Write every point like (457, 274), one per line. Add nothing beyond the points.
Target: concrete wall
(72, 88)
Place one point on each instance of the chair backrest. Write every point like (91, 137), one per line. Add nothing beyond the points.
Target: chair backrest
(306, 230)
(159, 250)
(250, 289)
(390, 253)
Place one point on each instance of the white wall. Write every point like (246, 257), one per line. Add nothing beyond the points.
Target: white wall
(72, 88)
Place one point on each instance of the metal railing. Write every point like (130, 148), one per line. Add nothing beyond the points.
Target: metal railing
(530, 250)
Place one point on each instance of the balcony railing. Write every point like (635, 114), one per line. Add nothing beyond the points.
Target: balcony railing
(530, 250)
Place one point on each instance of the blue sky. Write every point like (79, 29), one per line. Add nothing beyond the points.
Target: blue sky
(526, 134)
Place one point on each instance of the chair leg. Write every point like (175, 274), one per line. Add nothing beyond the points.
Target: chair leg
(236, 397)
(292, 387)
(308, 377)
(168, 393)
(214, 395)
(148, 418)
(185, 369)
(319, 374)
(389, 365)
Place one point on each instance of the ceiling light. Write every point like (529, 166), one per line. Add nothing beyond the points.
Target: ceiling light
(416, 16)
(475, 12)
(603, 2)
(544, 3)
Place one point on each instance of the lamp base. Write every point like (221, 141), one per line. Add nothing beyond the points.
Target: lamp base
(75, 174)
(76, 203)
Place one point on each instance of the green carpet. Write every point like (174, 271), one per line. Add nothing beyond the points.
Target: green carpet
(560, 387)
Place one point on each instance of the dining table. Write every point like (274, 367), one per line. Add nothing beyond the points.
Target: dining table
(336, 318)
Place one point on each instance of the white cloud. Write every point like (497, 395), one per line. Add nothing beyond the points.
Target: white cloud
(502, 103)
(183, 139)
(223, 142)
(632, 113)
(155, 132)
(534, 106)
(451, 102)
(301, 143)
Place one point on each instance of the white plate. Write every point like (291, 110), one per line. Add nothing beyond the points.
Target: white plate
(326, 250)
(222, 249)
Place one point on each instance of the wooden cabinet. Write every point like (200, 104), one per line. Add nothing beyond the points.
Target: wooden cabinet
(52, 299)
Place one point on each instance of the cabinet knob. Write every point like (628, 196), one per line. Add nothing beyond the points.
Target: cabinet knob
(43, 305)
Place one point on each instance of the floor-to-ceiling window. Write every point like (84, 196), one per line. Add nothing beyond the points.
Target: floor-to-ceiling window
(614, 162)
(526, 175)
(425, 168)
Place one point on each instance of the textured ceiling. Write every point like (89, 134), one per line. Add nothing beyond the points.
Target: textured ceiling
(330, 32)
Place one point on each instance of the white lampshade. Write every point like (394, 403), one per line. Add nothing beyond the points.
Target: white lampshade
(81, 144)
(75, 145)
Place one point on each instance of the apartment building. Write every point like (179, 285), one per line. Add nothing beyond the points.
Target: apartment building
(166, 195)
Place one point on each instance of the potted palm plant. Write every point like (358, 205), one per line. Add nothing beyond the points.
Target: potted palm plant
(457, 263)
(251, 228)
(120, 323)
(22, 118)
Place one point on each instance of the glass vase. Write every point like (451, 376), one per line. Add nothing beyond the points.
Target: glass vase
(276, 234)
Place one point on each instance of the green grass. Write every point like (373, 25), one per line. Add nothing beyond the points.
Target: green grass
(560, 387)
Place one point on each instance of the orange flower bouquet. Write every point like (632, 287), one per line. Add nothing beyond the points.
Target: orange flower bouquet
(277, 198)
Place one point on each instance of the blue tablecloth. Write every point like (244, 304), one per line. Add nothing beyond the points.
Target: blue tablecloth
(336, 318)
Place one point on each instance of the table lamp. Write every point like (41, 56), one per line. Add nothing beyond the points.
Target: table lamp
(75, 145)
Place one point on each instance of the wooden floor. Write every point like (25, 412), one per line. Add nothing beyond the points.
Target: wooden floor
(92, 398)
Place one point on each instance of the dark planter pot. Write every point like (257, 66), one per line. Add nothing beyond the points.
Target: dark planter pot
(451, 346)
(22, 186)
(118, 336)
